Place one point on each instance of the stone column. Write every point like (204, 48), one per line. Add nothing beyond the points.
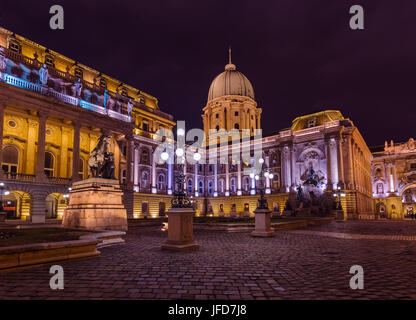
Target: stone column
(267, 162)
(239, 193)
(170, 177)
(287, 171)
(130, 159)
(227, 180)
(136, 166)
(340, 162)
(63, 171)
(394, 178)
(38, 206)
(350, 172)
(154, 189)
(216, 180)
(2, 107)
(75, 152)
(196, 179)
(40, 161)
(334, 162)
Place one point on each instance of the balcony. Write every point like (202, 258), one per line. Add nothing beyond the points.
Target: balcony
(23, 177)
(22, 72)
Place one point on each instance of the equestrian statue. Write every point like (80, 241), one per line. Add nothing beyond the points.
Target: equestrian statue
(101, 162)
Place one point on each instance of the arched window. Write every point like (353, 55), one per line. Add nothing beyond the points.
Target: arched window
(246, 184)
(233, 185)
(201, 186)
(190, 185)
(161, 182)
(145, 179)
(81, 169)
(236, 126)
(10, 159)
(123, 175)
(49, 164)
(210, 187)
(221, 185)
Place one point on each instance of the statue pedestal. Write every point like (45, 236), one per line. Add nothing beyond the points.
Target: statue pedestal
(96, 204)
(262, 225)
(180, 230)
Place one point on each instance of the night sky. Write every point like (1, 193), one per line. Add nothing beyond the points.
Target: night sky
(300, 55)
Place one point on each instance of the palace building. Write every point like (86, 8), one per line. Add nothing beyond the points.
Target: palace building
(53, 110)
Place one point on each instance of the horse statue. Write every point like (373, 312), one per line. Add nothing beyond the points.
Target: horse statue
(96, 161)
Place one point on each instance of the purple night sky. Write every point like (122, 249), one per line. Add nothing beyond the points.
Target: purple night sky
(300, 55)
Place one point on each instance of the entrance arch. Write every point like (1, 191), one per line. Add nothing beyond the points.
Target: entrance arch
(17, 205)
(56, 203)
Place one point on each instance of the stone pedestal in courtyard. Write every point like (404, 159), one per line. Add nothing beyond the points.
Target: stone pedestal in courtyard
(96, 204)
(338, 214)
(262, 223)
(180, 230)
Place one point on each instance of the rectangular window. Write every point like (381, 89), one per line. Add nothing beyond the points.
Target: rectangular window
(145, 126)
(236, 113)
(103, 83)
(217, 115)
(49, 61)
(79, 73)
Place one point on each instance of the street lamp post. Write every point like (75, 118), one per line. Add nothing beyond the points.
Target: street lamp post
(262, 212)
(180, 216)
(339, 211)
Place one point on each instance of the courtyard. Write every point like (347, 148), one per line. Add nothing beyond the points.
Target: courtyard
(310, 263)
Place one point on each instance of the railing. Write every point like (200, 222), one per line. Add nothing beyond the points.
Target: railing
(17, 82)
(34, 64)
(90, 106)
(59, 180)
(19, 176)
(63, 97)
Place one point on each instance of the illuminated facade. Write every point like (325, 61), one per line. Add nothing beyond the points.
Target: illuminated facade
(53, 109)
(394, 179)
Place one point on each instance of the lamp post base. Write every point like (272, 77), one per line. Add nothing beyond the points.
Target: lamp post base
(180, 230)
(262, 224)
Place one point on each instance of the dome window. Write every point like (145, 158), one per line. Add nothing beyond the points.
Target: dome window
(311, 123)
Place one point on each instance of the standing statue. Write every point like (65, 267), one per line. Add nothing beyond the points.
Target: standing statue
(43, 75)
(101, 162)
(2, 59)
(77, 88)
(129, 107)
(106, 97)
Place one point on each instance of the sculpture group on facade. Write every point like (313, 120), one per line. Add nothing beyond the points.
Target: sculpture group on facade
(75, 88)
(101, 162)
(309, 199)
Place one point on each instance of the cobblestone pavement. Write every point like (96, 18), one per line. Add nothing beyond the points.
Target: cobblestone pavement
(236, 266)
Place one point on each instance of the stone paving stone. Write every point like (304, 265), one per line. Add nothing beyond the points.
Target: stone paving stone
(292, 265)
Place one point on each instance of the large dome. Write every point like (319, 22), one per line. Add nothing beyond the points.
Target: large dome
(230, 82)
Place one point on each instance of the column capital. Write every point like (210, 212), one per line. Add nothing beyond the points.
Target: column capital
(43, 115)
(3, 102)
